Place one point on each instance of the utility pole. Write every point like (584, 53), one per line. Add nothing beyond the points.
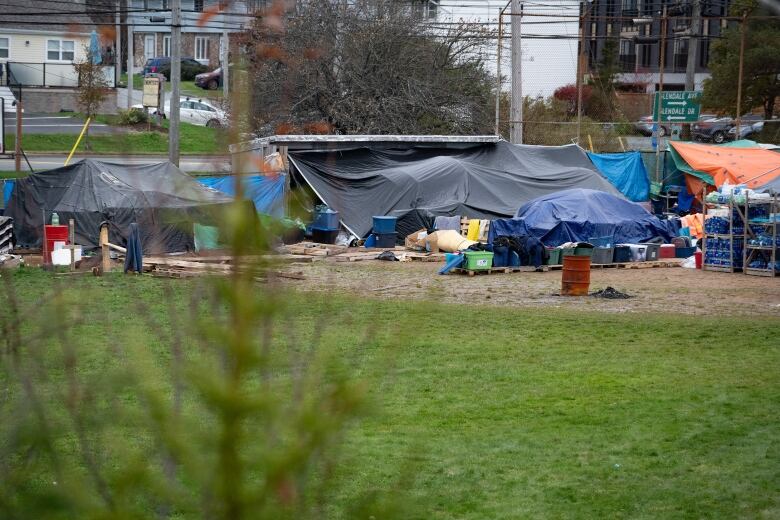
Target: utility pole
(659, 94)
(225, 58)
(130, 47)
(516, 118)
(693, 54)
(498, 73)
(117, 44)
(18, 140)
(173, 128)
(582, 64)
(742, 30)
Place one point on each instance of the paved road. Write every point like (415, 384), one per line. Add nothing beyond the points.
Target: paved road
(201, 164)
(56, 124)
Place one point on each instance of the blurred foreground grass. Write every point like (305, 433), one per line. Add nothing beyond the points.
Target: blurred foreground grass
(484, 412)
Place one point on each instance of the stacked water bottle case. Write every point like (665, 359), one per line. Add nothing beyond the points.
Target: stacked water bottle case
(724, 236)
(762, 247)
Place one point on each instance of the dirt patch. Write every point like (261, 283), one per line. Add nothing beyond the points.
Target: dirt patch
(674, 290)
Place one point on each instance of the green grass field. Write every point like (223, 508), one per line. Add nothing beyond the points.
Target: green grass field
(193, 140)
(188, 88)
(513, 413)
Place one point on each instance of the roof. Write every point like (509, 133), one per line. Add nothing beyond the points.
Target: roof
(43, 15)
(303, 142)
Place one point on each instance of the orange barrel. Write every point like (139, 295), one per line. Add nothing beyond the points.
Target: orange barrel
(576, 276)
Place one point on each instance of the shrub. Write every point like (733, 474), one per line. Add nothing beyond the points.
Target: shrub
(133, 116)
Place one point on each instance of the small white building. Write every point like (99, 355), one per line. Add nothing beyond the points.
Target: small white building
(39, 43)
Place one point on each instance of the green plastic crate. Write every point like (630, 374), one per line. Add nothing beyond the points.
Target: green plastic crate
(566, 251)
(554, 257)
(583, 251)
(478, 260)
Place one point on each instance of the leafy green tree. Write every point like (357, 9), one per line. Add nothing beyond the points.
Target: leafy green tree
(760, 85)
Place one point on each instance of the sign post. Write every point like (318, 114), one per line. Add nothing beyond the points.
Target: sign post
(677, 107)
(154, 88)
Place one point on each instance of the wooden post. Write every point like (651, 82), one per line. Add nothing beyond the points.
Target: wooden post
(72, 244)
(106, 264)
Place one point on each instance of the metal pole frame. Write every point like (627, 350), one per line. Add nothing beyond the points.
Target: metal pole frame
(659, 94)
(498, 73)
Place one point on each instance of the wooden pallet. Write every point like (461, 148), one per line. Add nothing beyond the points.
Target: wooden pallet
(498, 270)
(670, 262)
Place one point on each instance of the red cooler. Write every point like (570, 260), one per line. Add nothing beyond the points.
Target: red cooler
(52, 234)
(667, 251)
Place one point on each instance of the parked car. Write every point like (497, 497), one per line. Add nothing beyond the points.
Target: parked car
(195, 112)
(190, 67)
(645, 125)
(209, 80)
(748, 125)
(717, 130)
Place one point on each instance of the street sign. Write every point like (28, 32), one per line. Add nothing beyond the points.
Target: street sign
(678, 107)
(152, 88)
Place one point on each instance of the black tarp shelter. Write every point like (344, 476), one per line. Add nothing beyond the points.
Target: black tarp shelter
(417, 183)
(163, 200)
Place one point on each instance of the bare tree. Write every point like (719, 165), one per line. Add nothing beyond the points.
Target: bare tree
(373, 67)
(93, 85)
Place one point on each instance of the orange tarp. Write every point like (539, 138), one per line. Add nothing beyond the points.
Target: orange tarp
(753, 167)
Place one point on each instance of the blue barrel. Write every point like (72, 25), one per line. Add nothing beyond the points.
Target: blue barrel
(384, 225)
(326, 218)
(500, 256)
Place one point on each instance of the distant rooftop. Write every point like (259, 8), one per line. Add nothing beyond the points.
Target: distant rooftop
(323, 142)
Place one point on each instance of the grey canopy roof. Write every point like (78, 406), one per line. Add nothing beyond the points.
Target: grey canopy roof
(418, 183)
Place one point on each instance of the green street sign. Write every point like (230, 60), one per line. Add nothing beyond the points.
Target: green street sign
(678, 107)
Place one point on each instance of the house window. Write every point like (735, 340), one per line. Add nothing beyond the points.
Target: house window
(60, 50)
(198, 6)
(4, 45)
(166, 46)
(201, 48)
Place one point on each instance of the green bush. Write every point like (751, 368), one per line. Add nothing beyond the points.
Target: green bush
(133, 116)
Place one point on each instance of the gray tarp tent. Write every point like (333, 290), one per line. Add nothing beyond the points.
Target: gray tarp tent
(416, 184)
(163, 200)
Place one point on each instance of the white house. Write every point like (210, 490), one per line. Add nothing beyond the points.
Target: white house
(39, 43)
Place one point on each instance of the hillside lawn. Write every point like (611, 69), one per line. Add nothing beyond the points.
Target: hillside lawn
(516, 413)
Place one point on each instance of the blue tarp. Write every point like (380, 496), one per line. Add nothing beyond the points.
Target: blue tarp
(266, 192)
(625, 171)
(8, 187)
(579, 214)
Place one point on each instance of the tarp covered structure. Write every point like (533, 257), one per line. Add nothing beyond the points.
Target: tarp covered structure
(625, 171)
(266, 191)
(756, 167)
(580, 214)
(163, 200)
(416, 184)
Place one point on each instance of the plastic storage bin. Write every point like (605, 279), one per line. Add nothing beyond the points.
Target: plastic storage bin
(384, 225)
(554, 257)
(324, 236)
(582, 250)
(566, 251)
(652, 252)
(684, 252)
(621, 255)
(478, 260)
(600, 241)
(325, 218)
(385, 239)
(602, 255)
(500, 256)
(667, 251)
